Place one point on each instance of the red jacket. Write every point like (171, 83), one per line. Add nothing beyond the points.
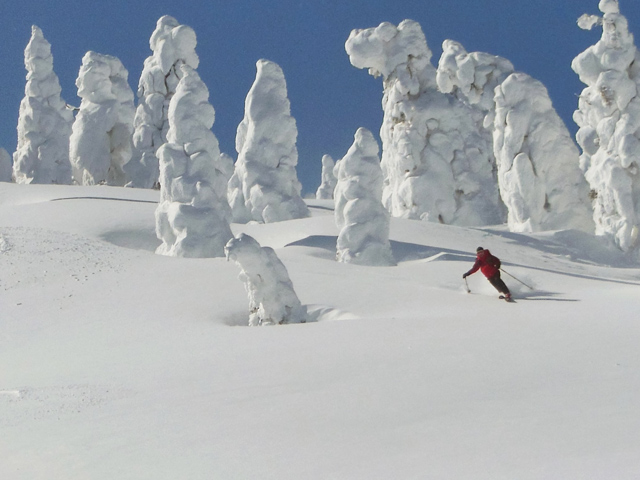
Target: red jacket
(487, 263)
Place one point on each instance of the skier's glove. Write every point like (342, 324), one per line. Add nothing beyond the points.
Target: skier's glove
(465, 275)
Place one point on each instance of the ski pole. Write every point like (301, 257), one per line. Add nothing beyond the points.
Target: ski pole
(516, 279)
(467, 285)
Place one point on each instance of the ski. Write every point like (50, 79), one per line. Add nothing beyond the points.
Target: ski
(510, 300)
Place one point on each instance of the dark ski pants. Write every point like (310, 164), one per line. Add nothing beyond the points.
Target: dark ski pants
(499, 284)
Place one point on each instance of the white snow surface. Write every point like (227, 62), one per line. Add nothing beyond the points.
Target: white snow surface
(265, 186)
(110, 371)
(272, 299)
(192, 218)
(172, 45)
(100, 143)
(609, 119)
(328, 183)
(44, 122)
(6, 166)
(437, 161)
(360, 216)
(538, 164)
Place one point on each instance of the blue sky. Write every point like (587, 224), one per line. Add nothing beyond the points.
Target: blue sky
(330, 99)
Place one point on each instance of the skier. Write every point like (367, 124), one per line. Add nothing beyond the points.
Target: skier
(490, 268)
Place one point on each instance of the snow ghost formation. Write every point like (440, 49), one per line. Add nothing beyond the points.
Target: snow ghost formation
(173, 45)
(328, 184)
(192, 218)
(609, 119)
(265, 186)
(6, 167)
(100, 143)
(437, 164)
(272, 300)
(362, 219)
(44, 123)
(538, 166)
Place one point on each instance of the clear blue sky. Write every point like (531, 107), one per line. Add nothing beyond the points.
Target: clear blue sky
(330, 99)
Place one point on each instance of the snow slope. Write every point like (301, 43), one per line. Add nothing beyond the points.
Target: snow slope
(116, 363)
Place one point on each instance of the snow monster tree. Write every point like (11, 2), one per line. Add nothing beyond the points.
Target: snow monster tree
(609, 119)
(44, 122)
(328, 184)
(192, 218)
(265, 186)
(272, 300)
(173, 45)
(437, 164)
(538, 168)
(100, 144)
(360, 215)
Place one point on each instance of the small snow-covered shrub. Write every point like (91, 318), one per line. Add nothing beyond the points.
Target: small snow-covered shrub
(272, 300)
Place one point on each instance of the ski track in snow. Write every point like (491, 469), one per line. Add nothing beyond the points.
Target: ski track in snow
(26, 404)
(28, 253)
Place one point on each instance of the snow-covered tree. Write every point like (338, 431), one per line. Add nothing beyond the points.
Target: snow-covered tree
(609, 119)
(538, 164)
(100, 143)
(272, 300)
(473, 78)
(173, 45)
(44, 122)
(192, 218)
(6, 166)
(328, 184)
(362, 219)
(265, 186)
(437, 165)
